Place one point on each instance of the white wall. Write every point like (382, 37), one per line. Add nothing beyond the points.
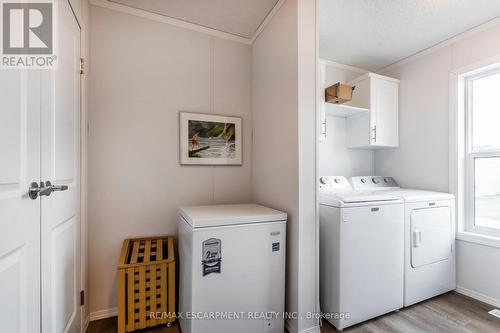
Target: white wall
(335, 159)
(284, 122)
(143, 73)
(422, 158)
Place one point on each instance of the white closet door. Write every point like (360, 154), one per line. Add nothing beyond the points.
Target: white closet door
(60, 227)
(19, 215)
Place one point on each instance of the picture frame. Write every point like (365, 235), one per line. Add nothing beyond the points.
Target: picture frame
(207, 139)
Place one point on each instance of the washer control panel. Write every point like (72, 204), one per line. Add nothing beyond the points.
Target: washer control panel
(334, 183)
(373, 182)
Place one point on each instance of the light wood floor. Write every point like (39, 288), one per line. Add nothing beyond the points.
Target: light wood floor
(449, 313)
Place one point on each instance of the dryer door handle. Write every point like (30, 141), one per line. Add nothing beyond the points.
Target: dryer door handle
(417, 238)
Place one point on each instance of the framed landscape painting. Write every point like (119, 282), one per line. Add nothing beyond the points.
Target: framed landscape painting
(207, 139)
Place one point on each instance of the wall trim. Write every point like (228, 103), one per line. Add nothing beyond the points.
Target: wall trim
(86, 324)
(342, 66)
(477, 29)
(103, 314)
(188, 25)
(478, 296)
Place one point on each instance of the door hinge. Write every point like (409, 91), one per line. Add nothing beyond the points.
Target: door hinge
(82, 298)
(82, 66)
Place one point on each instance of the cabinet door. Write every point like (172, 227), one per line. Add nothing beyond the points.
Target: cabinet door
(358, 126)
(384, 113)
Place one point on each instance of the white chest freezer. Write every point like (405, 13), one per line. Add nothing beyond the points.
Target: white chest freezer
(232, 269)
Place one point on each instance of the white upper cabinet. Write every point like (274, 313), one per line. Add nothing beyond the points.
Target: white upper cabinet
(377, 128)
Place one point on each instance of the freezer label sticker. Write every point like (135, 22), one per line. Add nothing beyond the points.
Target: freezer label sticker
(276, 247)
(211, 256)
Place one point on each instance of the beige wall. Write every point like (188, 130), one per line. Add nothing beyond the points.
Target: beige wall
(284, 145)
(143, 74)
(422, 159)
(275, 125)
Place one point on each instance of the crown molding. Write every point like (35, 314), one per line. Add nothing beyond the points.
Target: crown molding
(187, 25)
(266, 21)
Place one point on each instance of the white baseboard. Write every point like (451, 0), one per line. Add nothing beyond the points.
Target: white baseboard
(103, 314)
(290, 329)
(86, 324)
(478, 296)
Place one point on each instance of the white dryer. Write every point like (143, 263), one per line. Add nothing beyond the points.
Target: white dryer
(429, 237)
(361, 253)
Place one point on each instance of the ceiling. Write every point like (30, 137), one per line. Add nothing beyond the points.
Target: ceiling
(372, 34)
(237, 17)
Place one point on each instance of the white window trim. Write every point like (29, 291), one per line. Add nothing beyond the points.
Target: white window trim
(460, 163)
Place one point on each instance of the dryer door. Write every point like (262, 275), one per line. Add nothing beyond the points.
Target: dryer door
(431, 230)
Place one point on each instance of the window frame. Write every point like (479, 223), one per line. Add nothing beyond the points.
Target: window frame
(471, 154)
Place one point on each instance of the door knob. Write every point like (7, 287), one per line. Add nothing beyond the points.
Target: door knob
(33, 190)
(44, 189)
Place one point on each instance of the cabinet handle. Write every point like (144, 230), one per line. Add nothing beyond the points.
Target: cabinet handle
(374, 130)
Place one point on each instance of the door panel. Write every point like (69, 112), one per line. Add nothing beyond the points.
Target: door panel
(19, 215)
(63, 258)
(430, 235)
(60, 227)
(13, 302)
(11, 119)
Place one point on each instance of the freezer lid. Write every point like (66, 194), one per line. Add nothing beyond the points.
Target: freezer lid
(224, 215)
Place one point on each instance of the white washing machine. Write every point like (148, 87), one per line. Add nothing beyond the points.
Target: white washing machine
(361, 252)
(232, 269)
(429, 237)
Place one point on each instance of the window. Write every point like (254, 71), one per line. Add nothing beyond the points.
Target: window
(482, 152)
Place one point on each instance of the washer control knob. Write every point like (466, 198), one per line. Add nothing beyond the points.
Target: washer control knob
(323, 180)
(337, 180)
(387, 180)
(375, 181)
(363, 180)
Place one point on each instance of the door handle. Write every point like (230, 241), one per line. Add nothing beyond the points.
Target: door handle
(45, 188)
(48, 188)
(417, 238)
